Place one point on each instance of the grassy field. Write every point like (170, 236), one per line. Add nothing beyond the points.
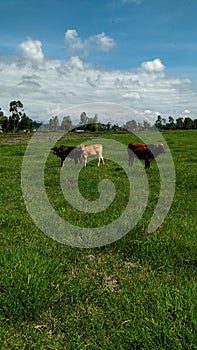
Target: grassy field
(136, 293)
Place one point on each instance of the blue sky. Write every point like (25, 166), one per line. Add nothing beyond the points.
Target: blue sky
(139, 53)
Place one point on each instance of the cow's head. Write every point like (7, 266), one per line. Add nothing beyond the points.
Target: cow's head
(54, 149)
(160, 148)
(82, 146)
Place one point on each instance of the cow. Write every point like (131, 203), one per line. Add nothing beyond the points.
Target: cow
(67, 151)
(146, 152)
(92, 150)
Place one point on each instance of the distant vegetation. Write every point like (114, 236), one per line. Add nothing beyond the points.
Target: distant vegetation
(18, 122)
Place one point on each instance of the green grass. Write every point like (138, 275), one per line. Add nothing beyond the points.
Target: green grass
(136, 293)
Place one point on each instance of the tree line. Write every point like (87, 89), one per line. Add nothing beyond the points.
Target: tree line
(178, 124)
(18, 121)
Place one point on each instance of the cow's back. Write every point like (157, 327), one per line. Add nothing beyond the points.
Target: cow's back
(140, 150)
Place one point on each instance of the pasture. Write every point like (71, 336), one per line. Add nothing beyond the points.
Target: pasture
(137, 293)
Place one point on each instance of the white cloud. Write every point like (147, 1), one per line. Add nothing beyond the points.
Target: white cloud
(82, 47)
(104, 42)
(31, 50)
(148, 112)
(56, 85)
(186, 111)
(75, 62)
(154, 66)
(132, 95)
(74, 42)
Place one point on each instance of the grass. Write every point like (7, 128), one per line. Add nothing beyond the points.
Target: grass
(136, 293)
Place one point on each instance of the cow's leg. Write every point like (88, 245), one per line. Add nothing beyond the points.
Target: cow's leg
(147, 163)
(131, 159)
(102, 160)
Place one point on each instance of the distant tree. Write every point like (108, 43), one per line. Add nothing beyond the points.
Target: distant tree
(16, 108)
(66, 123)
(163, 122)
(171, 123)
(4, 123)
(195, 123)
(83, 118)
(188, 123)
(158, 123)
(108, 126)
(179, 123)
(1, 113)
(25, 123)
(115, 127)
(93, 123)
(54, 124)
(146, 125)
(131, 125)
(36, 125)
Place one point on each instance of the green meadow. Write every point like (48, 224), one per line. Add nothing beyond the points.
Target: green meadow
(139, 292)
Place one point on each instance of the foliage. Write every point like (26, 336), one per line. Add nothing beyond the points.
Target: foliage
(54, 124)
(66, 124)
(18, 120)
(181, 123)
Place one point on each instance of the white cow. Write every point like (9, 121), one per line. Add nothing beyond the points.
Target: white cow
(92, 150)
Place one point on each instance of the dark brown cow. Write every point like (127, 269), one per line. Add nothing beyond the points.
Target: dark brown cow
(147, 152)
(67, 151)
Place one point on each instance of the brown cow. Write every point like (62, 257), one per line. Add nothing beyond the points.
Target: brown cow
(147, 152)
(67, 151)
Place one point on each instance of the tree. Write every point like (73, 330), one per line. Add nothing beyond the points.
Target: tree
(25, 123)
(54, 124)
(179, 123)
(146, 125)
(158, 123)
(83, 118)
(1, 113)
(131, 125)
(171, 124)
(4, 123)
(195, 123)
(66, 123)
(16, 108)
(188, 123)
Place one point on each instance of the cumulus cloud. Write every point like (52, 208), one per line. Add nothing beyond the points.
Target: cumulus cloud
(75, 62)
(82, 47)
(132, 96)
(103, 41)
(186, 111)
(74, 42)
(31, 50)
(155, 66)
(57, 85)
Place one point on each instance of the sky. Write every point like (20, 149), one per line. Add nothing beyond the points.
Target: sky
(121, 59)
